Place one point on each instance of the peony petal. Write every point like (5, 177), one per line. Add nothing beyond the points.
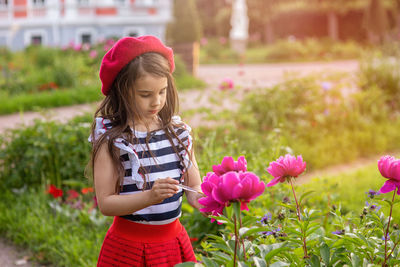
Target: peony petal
(228, 164)
(274, 181)
(219, 195)
(276, 169)
(207, 188)
(218, 170)
(388, 186)
(241, 164)
(384, 165)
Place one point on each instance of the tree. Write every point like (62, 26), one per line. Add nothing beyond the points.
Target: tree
(376, 21)
(185, 27)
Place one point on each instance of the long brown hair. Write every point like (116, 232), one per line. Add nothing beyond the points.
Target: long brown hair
(118, 108)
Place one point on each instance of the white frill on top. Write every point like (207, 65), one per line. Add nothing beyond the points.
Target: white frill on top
(124, 145)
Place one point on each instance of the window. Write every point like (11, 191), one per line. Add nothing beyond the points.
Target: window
(83, 2)
(145, 2)
(3, 3)
(133, 34)
(86, 38)
(36, 40)
(39, 2)
(119, 2)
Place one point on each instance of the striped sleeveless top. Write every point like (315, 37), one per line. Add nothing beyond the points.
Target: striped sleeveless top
(165, 163)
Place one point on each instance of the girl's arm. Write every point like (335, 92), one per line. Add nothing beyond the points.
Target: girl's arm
(112, 204)
(192, 178)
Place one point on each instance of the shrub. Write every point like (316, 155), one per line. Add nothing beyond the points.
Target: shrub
(47, 152)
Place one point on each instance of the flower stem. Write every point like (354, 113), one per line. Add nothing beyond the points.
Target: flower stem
(298, 215)
(387, 228)
(295, 198)
(236, 242)
(244, 251)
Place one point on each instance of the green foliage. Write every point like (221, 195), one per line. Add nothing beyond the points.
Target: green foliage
(45, 153)
(48, 77)
(327, 122)
(290, 50)
(383, 72)
(185, 27)
(55, 233)
(184, 80)
(47, 99)
(333, 238)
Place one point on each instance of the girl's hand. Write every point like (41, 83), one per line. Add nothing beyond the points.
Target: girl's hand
(162, 189)
(193, 198)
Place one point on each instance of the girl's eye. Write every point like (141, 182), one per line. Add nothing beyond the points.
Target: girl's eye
(144, 96)
(163, 92)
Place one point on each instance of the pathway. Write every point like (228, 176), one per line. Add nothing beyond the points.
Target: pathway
(245, 76)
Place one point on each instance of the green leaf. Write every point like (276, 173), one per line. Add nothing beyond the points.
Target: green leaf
(305, 195)
(314, 261)
(186, 264)
(291, 207)
(355, 260)
(254, 230)
(279, 264)
(258, 262)
(236, 210)
(325, 253)
(223, 247)
(208, 262)
(222, 256)
(274, 252)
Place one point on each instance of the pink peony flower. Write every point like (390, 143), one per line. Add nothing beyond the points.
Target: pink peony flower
(228, 164)
(284, 167)
(389, 167)
(226, 84)
(249, 188)
(230, 187)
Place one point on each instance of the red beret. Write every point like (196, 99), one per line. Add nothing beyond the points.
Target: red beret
(124, 51)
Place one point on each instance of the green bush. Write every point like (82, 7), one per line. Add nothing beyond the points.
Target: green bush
(383, 72)
(326, 125)
(45, 153)
(288, 50)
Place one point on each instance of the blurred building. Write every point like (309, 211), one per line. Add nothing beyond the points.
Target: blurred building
(65, 22)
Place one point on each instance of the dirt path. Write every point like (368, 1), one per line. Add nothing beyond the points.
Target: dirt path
(12, 256)
(245, 76)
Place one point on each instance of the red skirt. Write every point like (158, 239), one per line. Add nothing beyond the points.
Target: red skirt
(133, 244)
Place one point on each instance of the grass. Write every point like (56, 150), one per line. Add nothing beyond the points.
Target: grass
(67, 238)
(28, 102)
(73, 96)
(348, 190)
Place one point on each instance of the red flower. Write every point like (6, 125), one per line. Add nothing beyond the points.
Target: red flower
(56, 192)
(86, 190)
(72, 194)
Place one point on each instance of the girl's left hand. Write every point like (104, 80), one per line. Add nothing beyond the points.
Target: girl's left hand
(193, 198)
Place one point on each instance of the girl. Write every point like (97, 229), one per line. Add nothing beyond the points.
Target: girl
(141, 155)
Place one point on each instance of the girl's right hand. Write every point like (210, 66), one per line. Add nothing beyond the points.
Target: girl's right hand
(163, 188)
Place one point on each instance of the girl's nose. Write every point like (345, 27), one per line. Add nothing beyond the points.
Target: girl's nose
(156, 101)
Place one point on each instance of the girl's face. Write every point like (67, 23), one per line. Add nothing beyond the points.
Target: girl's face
(150, 96)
